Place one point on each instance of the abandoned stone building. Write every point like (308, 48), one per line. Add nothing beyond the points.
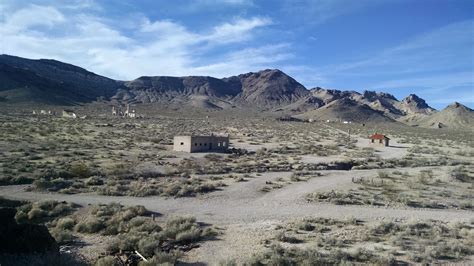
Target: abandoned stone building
(379, 139)
(194, 143)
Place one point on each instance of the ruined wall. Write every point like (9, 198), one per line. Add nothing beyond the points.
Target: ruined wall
(182, 143)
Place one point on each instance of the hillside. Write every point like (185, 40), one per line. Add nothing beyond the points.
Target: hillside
(263, 89)
(346, 109)
(455, 116)
(51, 82)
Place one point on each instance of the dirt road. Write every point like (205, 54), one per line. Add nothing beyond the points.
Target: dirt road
(243, 202)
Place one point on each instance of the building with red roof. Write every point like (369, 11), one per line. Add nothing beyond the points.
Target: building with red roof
(379, 139)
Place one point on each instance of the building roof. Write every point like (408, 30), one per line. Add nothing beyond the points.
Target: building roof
(378, 136)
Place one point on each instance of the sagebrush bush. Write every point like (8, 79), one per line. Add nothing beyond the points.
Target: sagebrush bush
(43, 210)
(62, 236)
(90, 225)
(65, 223)
(106, 261)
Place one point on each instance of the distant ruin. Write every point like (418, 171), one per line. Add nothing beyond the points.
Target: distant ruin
(194, 143)
(127, 113)
(44, 112)
(69, 114)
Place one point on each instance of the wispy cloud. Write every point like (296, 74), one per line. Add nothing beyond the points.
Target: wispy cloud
(159, 47)
(28, 18)
(445, 48)
(431, 84)
(248, 59)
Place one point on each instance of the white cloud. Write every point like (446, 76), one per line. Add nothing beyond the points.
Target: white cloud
(236, 31)
(162, 47)
(31, 16)
(249, 59)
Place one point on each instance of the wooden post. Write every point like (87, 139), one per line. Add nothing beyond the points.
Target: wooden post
(140, 255)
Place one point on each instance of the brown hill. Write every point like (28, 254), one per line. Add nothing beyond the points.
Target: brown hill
(51, 82)
(454, 115)
(346, 109)
(264, 89)
(270, 87)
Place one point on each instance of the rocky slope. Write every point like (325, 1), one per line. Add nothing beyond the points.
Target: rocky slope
(367, 105)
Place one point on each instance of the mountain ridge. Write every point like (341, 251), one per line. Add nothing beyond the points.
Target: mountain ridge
(54, 82)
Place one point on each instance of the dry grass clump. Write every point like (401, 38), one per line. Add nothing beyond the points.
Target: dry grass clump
(321, 241)
(130, 228)
(462, 174)
(160, 243)
(15, 180)
(130, 186)
(49, 212)
(279, 255)
(341, 198)
(426, 189)
(166, 187)
(427, 241)
(42, 211)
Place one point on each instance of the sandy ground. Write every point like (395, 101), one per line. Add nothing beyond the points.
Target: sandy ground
(248, 215)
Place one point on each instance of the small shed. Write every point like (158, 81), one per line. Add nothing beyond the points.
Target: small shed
(379, 139)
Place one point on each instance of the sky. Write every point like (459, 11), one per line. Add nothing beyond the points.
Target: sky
(425, 47)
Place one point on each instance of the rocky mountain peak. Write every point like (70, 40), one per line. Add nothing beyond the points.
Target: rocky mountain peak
(373, 96)
(458, 106)
(413, 101)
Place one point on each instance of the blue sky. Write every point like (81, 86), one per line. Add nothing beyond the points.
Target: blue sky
(424, 47)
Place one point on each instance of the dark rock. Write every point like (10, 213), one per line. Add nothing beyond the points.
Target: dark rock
(23, 238)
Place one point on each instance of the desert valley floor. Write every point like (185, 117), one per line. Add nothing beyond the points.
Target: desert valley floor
(291, 192)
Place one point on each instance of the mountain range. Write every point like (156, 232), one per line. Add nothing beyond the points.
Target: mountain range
(53, 82)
